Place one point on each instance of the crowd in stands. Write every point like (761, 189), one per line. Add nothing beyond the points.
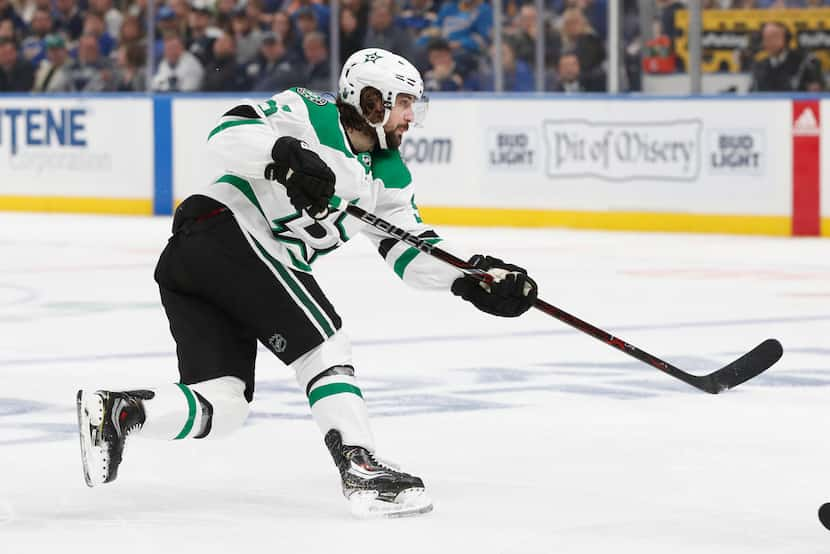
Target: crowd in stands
(269, 45)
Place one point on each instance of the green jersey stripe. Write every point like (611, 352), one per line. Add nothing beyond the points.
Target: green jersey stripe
(222, 126)
(244, 187)
(325, 118)
(333, 388)
(406, 258)
(296, 288)
(191, 411)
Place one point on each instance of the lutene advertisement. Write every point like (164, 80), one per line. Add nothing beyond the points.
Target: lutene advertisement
(76, 147)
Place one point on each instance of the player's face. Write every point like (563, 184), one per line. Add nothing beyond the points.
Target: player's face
(402, 116)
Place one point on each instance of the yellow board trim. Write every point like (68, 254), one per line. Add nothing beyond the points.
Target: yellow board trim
(76, 204)
(825, 227)
(613, 221)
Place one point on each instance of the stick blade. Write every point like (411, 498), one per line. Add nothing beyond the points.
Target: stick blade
(750, 365)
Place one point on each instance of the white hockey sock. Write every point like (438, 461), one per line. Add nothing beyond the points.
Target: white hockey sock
(336, 400)
(337, 403)
(209, 409)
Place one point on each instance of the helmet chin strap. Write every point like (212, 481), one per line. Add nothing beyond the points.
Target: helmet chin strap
(379, 129)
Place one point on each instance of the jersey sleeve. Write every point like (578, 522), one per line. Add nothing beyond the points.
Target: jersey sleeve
(396, 204)
(243, 137)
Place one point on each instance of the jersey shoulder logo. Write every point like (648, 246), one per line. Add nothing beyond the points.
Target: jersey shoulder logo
(311, 96)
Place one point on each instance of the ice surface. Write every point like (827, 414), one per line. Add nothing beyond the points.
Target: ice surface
(531, 437)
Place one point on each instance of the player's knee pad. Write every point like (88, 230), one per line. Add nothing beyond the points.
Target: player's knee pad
(223, 404)
(334, 352)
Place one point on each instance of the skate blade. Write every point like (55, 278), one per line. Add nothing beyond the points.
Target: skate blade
(411, 502)
(89, 452)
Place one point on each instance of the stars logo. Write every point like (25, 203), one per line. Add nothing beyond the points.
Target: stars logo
(372, 57)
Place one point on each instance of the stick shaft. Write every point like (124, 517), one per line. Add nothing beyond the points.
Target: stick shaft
(541, 305)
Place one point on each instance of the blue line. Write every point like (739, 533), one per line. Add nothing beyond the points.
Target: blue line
(163, 155)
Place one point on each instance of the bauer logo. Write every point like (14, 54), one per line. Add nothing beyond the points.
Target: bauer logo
(512, 149)
(736, 151)
(623, 151)
(427, 150)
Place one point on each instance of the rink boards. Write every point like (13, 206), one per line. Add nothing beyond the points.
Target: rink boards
(729, 165)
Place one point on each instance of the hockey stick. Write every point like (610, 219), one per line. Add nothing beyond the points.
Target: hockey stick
(753, 363)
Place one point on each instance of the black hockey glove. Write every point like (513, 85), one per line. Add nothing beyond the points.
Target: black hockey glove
(511, 294)
(308, 181)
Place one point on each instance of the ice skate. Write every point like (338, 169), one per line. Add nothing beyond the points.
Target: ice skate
(105, 419)
(375, 488)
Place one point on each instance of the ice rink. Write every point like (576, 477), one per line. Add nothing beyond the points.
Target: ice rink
(531, 437)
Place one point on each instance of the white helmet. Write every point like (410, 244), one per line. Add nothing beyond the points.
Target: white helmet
(390, 74)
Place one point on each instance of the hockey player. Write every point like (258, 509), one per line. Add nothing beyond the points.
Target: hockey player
(238, 269)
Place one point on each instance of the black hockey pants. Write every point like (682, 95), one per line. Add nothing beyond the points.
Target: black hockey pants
(221, 298)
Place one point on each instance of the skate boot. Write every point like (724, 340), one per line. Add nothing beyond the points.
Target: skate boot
(105, 419)
(375, 488)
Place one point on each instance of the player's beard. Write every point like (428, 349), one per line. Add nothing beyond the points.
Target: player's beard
(393, 142)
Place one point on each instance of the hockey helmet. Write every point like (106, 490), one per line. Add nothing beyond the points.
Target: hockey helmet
(387, 72)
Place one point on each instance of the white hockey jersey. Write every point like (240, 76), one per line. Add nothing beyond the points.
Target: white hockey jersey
(378, 182)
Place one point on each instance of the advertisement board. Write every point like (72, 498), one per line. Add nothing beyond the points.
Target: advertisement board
(824, 162)
(684, 156)
(77, 148)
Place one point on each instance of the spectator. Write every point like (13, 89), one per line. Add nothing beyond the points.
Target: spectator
(271, 70)
(201, 33)
(284, 27)
(570, 78)
(167, 24)
(33, 46)
(321, 12)
(383, 33)
(224, 73)
(316, 73)
(113, 19)
(523, 37)
(466, 24)
(579, 37)
(7, 30)
(181, 9)
(131, 74)
(131, 31)
(351, 35)
(224, 13)
(67, 18)
(52, 73)
(246, 36)
(517, 75)
(416, 16)
(307, 21)
(90, 72)
(784, 70)
(7, 12)
(27, 8)
(16, 74)
(442, 74)
(260, 19)
(94, 25)
(179, 70)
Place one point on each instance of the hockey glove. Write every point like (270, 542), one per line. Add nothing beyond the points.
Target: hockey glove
(511, 293)
(308, 181)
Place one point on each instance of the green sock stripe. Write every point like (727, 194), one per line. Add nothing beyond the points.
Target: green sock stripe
(191, 411)
(330, 389)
